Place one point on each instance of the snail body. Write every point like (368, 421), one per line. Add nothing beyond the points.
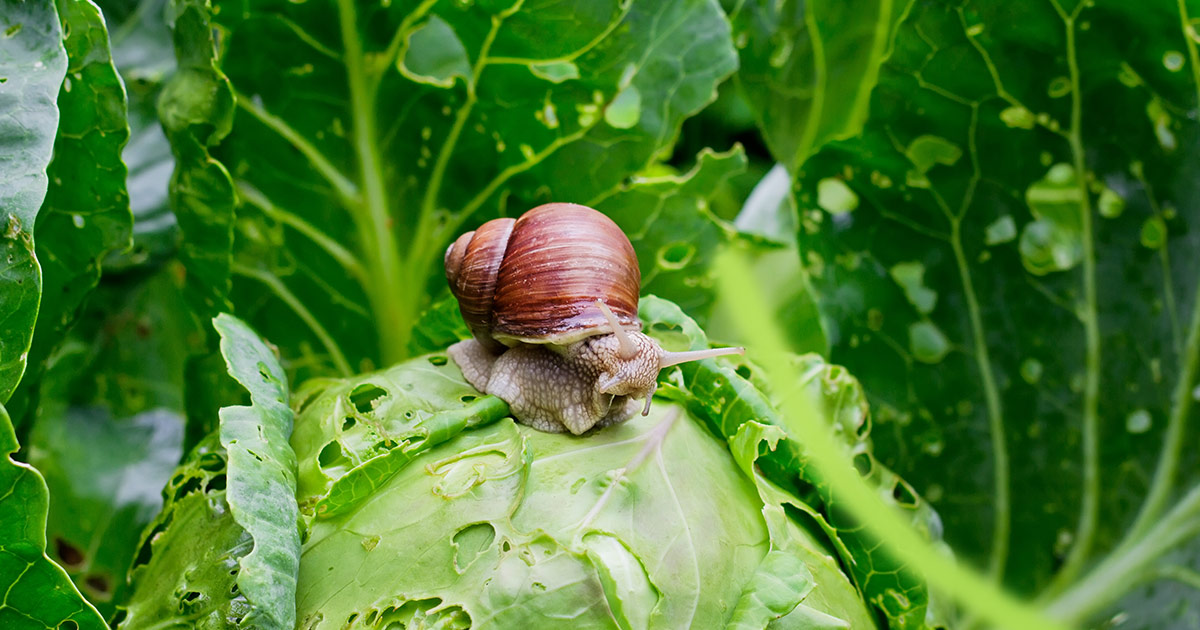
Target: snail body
(551, 301)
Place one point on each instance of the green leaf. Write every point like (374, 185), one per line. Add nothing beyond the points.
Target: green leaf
(196, 109)
(186, 574)
(142, 51)
(807, 68)
(361, 150)
(32, 66)
(262, 475)
(108, 431)
(37, 592)
(1021, 359)
(726, 398)
(780, 584)
(86, 214)
(672, 229)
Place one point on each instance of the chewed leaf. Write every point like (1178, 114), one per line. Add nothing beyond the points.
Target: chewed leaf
(33, 66)
(262, 475)
(35, 587)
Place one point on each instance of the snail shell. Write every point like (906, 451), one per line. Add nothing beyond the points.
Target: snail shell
(513, 287)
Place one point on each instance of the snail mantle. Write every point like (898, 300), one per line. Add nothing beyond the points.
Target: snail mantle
(551, 299)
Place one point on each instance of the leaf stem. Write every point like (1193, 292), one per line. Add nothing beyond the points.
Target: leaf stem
(335, 250)
(1089, 510)
(344, 187)
(283, 293)
(394, 317)
(1001, 519)
(1122, 569)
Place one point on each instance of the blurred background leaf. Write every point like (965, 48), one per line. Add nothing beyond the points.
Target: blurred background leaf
(1006, 256)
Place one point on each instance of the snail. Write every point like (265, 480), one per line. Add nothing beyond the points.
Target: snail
(551, 301)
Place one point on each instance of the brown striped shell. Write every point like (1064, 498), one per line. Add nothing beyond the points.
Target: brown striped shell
(536, 279)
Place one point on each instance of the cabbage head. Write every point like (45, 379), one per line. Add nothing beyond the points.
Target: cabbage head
(423, 506)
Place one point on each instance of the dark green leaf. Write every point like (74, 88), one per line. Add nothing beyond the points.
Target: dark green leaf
(807, 67)
(37, 592)
(108, 430)
(262, 476)
(32, 66)
(195, 109)
(86, 213)
(669, 223)
(1029, 343)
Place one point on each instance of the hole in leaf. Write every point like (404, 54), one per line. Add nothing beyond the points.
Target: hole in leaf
(471, 541)
(100, 584)
(539, 586)
(743, 371)
(904, 494)
(468, 398)
(348, 423)
(365, 397)
(862, 463)
(70, 555)
(214, 484)
(506, 546)
(68, 624)
(330, 455)
(438, 360)
(308, 400)
(210, 462)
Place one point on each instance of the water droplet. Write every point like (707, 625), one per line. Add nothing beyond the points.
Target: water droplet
(927, 342)
(67, 84)
(835, 197)
(1111, 204)
(626, 109)
(1173, 60)
(927, 151)
(1001, 230)
(1154, 233)
(911, 277)
(1053, 241)
(1162, 124)
(781, 54)
(1017, 117)
(934, 448)
(77, 219)
(1059, 87)
(526, 151)
(974, 30)
(1031, 370)
(1138, 421)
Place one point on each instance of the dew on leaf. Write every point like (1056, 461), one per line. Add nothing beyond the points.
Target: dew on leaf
(911, 277)
(927, 151)
(1054, 240)
(1059, 87)
(1031, 370)
(1001, 230)
(435, 55)
(1173, 60)
(626, 109)
(1154, 233)
(1138, 421)
(1162, 124)
(675, 255)
(1017, 117)
(77, 219)
(927, 342)
(1110, 204)
(835, 197)
(555, 71)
